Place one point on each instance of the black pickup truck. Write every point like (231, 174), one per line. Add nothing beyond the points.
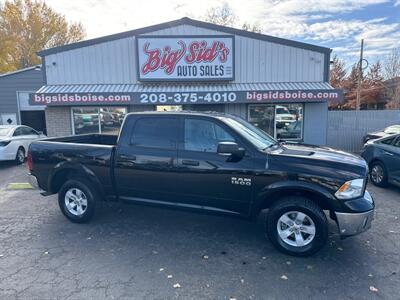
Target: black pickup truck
(209, 162)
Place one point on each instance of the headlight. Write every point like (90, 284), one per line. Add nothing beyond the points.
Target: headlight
(351, 189)
(4, 143)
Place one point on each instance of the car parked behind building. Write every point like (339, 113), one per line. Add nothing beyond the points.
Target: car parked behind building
(390, 130)
(383, 158)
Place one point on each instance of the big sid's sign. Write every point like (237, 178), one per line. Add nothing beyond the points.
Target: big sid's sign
(185, 58)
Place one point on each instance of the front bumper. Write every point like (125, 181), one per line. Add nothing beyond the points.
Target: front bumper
(355, 223)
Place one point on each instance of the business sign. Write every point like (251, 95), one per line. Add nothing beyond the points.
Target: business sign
(185, 58)
(182, 98)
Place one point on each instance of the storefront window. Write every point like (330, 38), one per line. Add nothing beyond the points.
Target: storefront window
(106, 120)
(169, 108)
(283, 121)
(111, 119)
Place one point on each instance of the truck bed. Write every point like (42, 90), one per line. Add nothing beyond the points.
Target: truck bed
(89, 152)
(95, 139)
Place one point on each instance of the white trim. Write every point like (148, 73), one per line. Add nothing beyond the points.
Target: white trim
(37, 67)
(72, 120)
(19, 121)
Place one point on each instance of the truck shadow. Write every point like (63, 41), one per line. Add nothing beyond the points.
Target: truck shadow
(137, 242)
(7, 165)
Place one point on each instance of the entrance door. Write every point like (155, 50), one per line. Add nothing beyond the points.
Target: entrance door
(146, 158)
(209, 179)
(34, 119)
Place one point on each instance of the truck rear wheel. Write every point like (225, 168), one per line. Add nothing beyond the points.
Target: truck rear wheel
(77, 200)
(297, 226)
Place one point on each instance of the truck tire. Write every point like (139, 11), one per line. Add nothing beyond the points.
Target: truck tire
(297, 226)
(77, 200)
(378, 174)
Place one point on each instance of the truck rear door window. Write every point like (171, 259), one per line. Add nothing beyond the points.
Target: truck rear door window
(154, 132)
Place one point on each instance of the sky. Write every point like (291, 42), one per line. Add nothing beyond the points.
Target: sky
(337, 24)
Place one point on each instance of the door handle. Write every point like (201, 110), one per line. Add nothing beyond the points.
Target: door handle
(388, 153)
(190, 162)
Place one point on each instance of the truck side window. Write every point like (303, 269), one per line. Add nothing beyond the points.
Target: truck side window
(204, 136)
(155, 133)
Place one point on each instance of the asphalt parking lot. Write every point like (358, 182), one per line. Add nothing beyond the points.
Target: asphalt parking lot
(143, 252)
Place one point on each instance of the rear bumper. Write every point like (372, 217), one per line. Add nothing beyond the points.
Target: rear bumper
(355, 223)
(33, 181)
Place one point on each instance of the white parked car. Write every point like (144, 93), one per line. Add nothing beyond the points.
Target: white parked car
(15, 141)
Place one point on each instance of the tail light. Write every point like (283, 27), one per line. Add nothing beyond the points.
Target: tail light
(29, 161)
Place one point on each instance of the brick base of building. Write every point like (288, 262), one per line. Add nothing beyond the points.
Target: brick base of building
(58, 121)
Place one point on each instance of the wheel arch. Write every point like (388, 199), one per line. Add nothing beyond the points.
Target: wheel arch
(374, 160)
(65, 171)
(320, 196)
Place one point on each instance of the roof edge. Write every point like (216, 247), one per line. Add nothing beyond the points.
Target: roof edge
(111, 37)
(20, 71)
(185, 21)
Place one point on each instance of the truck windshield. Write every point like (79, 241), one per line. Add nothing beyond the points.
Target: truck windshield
(256, 136)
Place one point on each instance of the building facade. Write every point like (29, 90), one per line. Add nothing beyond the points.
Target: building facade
(279, 85)
(15, 88)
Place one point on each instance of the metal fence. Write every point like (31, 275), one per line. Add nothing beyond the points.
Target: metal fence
(346, 129)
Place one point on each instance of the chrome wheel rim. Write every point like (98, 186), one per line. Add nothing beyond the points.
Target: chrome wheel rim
(75, 201)
(296, 229)
(377, 174)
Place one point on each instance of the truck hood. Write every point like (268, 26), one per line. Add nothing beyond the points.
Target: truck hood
(319, 160)
(321, 153)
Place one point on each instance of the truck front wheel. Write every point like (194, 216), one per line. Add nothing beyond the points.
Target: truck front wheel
(77, 200)
(297, 226)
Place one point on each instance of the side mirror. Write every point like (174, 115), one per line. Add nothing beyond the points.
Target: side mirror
(230, 148)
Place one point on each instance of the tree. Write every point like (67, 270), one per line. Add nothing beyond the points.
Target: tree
(225, 16)
(337, 73)
(372, 92)
(391, 66)
(27, 26)
(350, 88)
(256, 27)
(221, 15)
(337, 76)
(372, 88)
(392, 76)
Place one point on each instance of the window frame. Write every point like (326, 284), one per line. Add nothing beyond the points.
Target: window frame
(98, 114)
(132, 129)
(274, 105)
(217, 122)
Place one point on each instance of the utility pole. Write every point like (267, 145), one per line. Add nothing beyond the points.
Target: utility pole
(360, 69)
